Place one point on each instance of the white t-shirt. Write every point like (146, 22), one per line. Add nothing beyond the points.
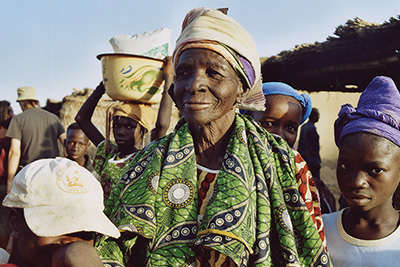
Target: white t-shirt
(346, 250)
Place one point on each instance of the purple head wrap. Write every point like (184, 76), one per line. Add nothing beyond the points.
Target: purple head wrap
(377, 112)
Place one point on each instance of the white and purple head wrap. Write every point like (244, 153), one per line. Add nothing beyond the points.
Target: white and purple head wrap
(211, 29)
(377, 112)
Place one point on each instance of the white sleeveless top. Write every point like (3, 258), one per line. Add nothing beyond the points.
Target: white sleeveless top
(346, 250)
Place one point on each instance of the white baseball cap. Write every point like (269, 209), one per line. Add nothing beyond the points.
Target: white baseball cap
(59, 197)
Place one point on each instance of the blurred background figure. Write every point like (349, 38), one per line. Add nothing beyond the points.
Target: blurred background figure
(6, 113)
(309, 144)
(34, 133)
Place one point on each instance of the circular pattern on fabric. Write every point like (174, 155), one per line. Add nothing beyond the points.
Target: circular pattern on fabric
(185, 231)
(284, 219)
(259, 186)
(228, 217)
(241, 134)
(237, 213)
(262, 245)
(194, 230)
(219, 222)
(178, 193)
(133, 174)
(286, 196)
(170, 158)
(229, 163)
(149, 214)
(138, 169)
(324, 259)
(153, 181)
(217, 239)
(179, 155)
(175, 234)
(295, 198)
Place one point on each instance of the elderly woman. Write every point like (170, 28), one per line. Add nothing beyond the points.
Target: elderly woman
(219, 190)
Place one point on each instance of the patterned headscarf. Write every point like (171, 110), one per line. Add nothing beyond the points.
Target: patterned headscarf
(211, 29)
(278, 88)
(377, 112)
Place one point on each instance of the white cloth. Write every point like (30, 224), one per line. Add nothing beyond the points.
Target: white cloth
(346, 250)
(155, 44)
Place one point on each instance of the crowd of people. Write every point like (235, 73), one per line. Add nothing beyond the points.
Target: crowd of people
(225, 188)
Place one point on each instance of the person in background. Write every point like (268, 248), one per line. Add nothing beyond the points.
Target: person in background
(309, 144)
(76, 145)
(219, 190)
(55, 202)
(285, 111)
(6, 113)
(130, 122)
(367, 233)
(34, 133)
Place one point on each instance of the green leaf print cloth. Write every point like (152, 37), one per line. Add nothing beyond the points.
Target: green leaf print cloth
(255, 215)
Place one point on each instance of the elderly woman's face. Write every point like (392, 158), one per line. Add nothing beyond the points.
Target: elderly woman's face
(206, 87)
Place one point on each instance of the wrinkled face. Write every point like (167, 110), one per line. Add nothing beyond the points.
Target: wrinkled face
(206, 87)
(368, 171)
(34, 250)
(76, 144)
(126, 132)
(282, 117)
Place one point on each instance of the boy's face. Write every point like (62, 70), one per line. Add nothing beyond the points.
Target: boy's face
(282, 117)
(368, 171)
(76, 144)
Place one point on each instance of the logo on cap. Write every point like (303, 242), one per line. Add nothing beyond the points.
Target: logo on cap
(72, 181)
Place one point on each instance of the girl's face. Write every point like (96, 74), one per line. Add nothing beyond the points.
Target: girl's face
(282, 117)
(368, 171)
(126, 132)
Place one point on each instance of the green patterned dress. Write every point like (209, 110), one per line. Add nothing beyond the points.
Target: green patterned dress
(255, 215)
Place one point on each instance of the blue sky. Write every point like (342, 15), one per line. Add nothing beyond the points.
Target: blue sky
(52, 44)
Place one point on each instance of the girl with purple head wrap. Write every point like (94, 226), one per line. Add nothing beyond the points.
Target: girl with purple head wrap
(367, 233)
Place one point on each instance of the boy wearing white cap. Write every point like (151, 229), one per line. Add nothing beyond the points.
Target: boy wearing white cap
(56, 202)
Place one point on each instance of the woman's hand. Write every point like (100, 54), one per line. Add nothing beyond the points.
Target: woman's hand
(100, 88)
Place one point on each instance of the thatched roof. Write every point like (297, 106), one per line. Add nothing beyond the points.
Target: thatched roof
(358, 52)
